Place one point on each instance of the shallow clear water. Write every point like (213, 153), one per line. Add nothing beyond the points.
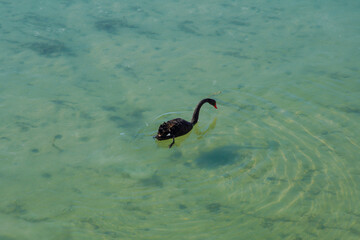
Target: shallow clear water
(85, 84)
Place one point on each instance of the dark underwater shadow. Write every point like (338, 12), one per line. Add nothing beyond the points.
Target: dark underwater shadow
(50, 48)
(221, 156)
(113, 25)
(230, 154)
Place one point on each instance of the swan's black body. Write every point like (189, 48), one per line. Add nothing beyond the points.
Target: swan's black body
(178, 126)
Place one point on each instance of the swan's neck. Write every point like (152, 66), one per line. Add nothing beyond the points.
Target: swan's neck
(195, 116)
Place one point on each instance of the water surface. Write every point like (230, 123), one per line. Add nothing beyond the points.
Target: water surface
(85, 84)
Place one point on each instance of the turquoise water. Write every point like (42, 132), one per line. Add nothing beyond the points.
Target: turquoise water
(85, 84)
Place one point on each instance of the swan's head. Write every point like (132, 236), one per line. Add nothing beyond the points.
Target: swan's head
(212, 102)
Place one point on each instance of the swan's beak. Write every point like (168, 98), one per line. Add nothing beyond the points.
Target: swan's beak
(215, 106)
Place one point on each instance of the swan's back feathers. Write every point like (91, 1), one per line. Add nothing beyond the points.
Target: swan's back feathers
(173, 128)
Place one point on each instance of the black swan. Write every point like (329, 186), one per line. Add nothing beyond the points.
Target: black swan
(178, 126)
